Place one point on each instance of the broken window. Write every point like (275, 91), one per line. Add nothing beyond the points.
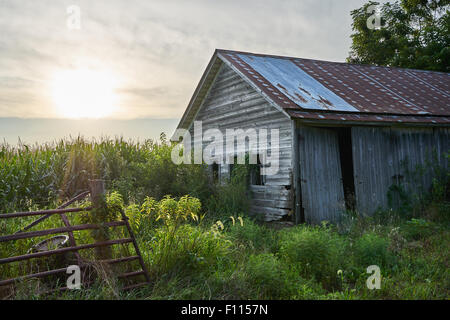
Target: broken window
(255, 171)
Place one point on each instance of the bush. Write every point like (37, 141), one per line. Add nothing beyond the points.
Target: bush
(438, 208)
(318, 253)
(271, 278)
(416, 229)
(372, 249)
(254, 236)
(189, 249)
(161, 225)
(265, 272)
(231, 197)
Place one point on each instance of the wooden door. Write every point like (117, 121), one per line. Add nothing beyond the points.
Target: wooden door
(320, 174)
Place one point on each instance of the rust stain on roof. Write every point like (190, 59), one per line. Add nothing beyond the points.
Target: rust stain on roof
(300, 97)
(304, 90)
(325, 102)
(288, 94)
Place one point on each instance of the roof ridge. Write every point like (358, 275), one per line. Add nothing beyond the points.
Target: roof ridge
(326, 61)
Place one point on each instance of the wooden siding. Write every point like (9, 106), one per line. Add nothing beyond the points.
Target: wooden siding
(233, 104)
(322, 191)
(386, 156)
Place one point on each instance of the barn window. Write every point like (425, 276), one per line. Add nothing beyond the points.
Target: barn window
(256, 178)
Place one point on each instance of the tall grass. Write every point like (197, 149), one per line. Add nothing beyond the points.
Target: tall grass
(40, 175)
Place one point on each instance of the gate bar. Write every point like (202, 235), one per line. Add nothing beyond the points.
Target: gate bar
(136, 247)
(38, 213)
(63, 250)
(32, 234)
(68, 203)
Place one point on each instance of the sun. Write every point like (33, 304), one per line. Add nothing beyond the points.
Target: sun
(84, 93)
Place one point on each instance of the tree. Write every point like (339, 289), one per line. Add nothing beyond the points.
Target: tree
(408, 34)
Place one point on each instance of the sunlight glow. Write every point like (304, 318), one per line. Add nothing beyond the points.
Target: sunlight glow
(84, 93)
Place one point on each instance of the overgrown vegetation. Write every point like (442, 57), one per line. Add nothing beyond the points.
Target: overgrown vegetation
(198, 241)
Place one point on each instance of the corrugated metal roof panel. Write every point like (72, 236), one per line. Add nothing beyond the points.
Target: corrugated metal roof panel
(303, 84)
(295, 84)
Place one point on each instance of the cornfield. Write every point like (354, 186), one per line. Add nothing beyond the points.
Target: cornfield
(38, 176)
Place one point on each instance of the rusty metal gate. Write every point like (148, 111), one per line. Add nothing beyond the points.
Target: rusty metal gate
(73, 247)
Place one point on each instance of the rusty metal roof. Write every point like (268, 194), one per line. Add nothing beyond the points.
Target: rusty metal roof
(317, 90)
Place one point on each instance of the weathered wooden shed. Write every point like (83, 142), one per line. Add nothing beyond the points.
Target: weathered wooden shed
(347, 132)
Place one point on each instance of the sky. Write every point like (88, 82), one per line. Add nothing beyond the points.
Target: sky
(144, 57)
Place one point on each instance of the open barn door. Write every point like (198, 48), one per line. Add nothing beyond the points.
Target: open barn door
(322, 191)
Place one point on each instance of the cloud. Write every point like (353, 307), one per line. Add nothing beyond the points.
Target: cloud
(157, 49)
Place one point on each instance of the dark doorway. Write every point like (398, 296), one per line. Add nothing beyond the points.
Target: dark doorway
(215, 172)
(346, 157)
(256, 177)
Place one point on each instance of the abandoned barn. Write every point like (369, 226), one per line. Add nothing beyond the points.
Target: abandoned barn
(347, 133)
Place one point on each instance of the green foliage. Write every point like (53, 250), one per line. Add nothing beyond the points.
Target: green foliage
(108, 210)
(268, 277)
(169, 212)
(372, 249)
(170, 242)
(416, 229)
(413, 199)
(188, 249)
(28, 178)
(231, 197)
(413, 34)
(438, 206)
(247, 260)
(143, 218)
(254, 236)
(265, 272)
(173, 212)
(400, 199)
(317, 251)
